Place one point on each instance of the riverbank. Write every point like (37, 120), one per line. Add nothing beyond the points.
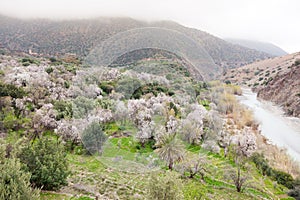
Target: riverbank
(281, 130)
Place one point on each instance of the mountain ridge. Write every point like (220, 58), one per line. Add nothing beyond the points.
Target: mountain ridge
(258, 45)
(58, 37)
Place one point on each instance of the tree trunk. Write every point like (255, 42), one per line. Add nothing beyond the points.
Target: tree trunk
(171, 165)
(238, 184)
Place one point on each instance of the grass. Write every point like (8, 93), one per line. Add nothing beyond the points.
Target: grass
(57, 196)
(123, 170)
(93, 175)
(117, 127)
(104, 178)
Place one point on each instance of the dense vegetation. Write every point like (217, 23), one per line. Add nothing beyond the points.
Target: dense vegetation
(147, 130)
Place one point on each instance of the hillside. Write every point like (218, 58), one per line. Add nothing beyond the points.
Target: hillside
(52, 38)
(275, 80)
(284, 90)
(268, 48)
(140, 131)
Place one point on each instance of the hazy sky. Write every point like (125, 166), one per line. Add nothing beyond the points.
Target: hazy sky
(275, 21)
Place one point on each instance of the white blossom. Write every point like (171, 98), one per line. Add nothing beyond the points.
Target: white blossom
(45, 117)
(172, 125)
(245, 142)
(121, 111)
(192, 126)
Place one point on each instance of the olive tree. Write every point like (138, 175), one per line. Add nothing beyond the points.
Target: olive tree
(93, 138)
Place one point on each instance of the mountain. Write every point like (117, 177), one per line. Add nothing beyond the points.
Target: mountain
(259, 46)
(56, 38)
(276, 80)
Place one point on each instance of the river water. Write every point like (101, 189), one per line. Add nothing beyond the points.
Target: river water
(279, 129)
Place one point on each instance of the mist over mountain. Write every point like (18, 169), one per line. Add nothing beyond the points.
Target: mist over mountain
(259, 46)
(54, 38)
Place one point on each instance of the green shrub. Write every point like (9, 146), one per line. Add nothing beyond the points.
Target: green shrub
(255, 84)
(49, 70)
(283, 178)
(193, 190)
(93, 138)
(167, 186)
(11, 122)
(55, 61)
(52, 59)
(171, 93)
(128, 86)
(11, 90)
(227, 82)
(67, 84)
(64, 109)
(71, 68)
(82, 106)
(14, 182)
(105, 103)
(107, 87)
(27, 61)
(261, 164)
(46, 160)
(153, 88)
(2, 52)
(25, 64)
(295, 193)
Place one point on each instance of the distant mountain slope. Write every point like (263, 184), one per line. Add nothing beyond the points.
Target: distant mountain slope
(81, 36)
(276, 80)
(259, 46)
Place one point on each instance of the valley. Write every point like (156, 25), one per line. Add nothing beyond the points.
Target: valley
(275, 80)
(279, 129)
(116, 108)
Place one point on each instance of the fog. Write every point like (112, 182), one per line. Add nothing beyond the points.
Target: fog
(274, 21)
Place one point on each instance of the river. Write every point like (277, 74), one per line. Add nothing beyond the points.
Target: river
(279, 129)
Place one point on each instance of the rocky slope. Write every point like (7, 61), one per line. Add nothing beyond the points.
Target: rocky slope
(284, 90)
(275, 79)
